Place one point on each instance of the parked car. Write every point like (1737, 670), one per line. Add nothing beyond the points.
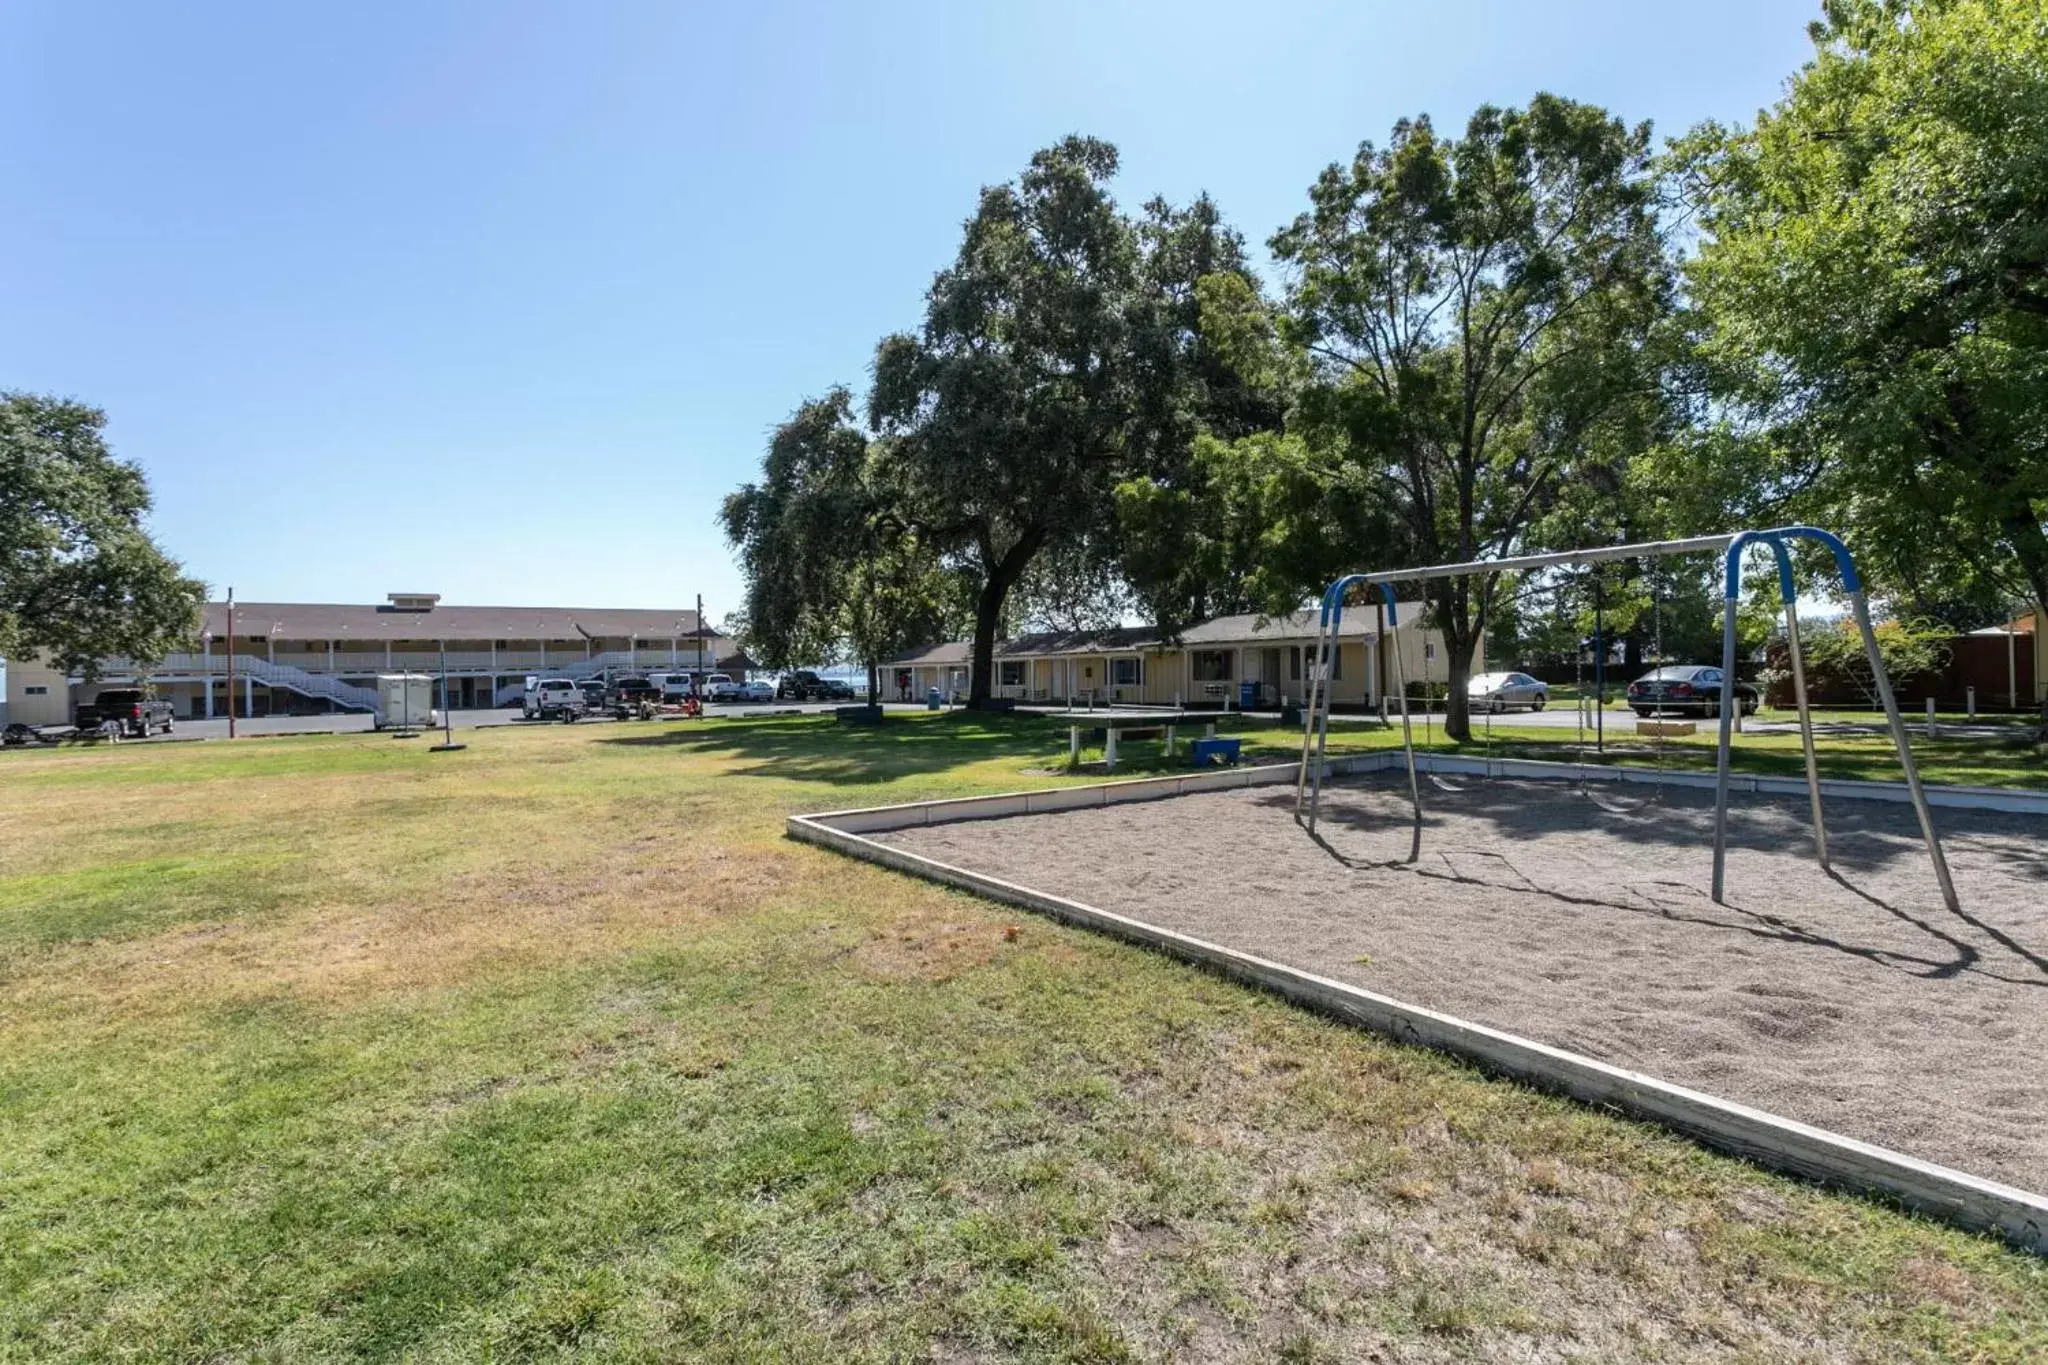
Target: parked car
(125, 711)
(555, 699)
(1499, 691)
(676, 687)
(633, 690)
(800, 685)
(1687, 688)
(593, 692)
(757, 691)
(720, 687)
(804, 685)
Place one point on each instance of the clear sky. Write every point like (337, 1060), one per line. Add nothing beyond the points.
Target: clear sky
(498, 300)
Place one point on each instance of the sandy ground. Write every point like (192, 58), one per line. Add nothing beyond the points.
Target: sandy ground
(1860, 1004)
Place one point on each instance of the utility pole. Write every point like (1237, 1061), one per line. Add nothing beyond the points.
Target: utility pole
(700, 639)
(231, 662)
(1599, 662)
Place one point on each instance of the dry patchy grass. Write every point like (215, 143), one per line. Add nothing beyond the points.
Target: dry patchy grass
(328, 1048)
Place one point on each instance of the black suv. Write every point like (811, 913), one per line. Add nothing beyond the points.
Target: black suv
(804, 685)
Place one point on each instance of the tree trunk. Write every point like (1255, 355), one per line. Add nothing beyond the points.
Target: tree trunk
(988, 610)
(988, 615)
(1459, 647)
(874, 683)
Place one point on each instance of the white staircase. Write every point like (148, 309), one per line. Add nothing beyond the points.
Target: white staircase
(315, 685)
(212, 668)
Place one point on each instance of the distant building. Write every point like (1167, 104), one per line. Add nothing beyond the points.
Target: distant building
(306, 657)
(1208, 663)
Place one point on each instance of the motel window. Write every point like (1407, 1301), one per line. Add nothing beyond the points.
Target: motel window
(1126, 672)
(35, 691)
(1294, 663)
(1012, 672)
(1429, 649)
(1210, 665)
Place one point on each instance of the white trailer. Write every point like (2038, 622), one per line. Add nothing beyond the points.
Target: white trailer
(405, 701)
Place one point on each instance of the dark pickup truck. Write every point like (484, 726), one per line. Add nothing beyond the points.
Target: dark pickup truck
(632, 696)
(125, 711)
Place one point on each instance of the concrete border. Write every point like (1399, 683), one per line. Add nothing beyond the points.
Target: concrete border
(1832, 1159)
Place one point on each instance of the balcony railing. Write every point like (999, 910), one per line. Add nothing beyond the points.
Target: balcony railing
(355, 663)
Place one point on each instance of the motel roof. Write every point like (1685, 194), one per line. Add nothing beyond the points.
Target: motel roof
(944, 652)
(342, 621)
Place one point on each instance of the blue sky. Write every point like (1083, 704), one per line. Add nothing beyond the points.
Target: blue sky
(499, 300)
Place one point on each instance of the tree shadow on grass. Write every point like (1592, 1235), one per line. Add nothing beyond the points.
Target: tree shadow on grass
(820, 749)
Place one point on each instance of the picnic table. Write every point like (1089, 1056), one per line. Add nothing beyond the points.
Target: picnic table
(1116, 720)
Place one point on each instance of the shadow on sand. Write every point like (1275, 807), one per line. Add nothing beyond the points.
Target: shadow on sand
(1677, 827)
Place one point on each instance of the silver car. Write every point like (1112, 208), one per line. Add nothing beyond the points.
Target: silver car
(1499, 691)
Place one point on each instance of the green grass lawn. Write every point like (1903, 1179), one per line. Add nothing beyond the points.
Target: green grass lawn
(2016, 760)
(331, 1048)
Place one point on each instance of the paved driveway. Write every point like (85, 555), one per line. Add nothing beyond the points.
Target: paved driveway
(353, 723)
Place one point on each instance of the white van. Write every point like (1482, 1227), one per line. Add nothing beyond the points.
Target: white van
(675, 687)
(555, 699)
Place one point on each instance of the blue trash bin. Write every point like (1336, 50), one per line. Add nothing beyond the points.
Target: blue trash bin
(932, 701)
(1247, 696)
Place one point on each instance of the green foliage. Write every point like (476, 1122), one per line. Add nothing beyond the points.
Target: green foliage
(1872, 297)
(1466, 337)
(1835, 653)
(80, 578)
(831, 570)
(1060, 359)
(1007, 418)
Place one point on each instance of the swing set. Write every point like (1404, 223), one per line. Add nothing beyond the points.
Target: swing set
(1316, 730)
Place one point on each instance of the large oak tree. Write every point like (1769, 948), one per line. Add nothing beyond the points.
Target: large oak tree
(1466, 332)
(831, 570)
(80, 578)
(1060, 359)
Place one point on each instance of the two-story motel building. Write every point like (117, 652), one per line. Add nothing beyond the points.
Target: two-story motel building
(313, 657)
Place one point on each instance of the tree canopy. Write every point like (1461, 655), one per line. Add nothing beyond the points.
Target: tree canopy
(1871, 295)
(80, 578)
(1465, 332)
(831, 570)
(1534, 334)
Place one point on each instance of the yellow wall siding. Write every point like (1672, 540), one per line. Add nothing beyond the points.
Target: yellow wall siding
(50, 706)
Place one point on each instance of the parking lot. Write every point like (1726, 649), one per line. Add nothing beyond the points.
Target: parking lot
(353, 723)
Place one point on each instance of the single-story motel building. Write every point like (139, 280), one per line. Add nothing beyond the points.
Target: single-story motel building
(308, 658)
(1206, 666)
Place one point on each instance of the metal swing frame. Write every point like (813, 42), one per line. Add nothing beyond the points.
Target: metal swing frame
(1316, 728)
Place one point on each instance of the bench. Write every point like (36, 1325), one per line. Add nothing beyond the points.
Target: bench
(1202, 750)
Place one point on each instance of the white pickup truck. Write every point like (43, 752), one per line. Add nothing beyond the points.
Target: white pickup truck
(554, 699)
